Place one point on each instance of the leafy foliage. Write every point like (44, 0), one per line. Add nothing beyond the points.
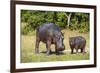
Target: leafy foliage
(71, 20)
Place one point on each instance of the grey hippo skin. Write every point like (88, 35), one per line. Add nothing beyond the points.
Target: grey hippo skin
(49, 33)
(77, 42)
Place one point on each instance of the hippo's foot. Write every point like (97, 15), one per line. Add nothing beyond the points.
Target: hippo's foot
(36, 51)
(48, 53)
(59, 53)
(72, 53)
(83, 51)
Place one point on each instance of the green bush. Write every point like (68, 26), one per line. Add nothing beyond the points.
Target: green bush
(78, 21)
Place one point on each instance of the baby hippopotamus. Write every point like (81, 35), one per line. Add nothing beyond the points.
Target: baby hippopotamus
(77, 42)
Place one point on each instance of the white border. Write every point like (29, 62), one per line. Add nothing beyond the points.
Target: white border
(52, 64)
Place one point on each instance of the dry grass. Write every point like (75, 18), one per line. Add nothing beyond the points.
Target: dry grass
(28, 46)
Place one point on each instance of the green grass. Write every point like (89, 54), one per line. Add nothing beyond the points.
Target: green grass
(28, 46)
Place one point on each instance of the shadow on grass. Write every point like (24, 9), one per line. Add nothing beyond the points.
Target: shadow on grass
(53, 52)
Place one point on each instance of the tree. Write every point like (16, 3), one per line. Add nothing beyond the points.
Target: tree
(68, 16)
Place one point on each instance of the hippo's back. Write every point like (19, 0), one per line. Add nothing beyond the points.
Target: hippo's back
(80, 40)
(46, 29)
(48, 26)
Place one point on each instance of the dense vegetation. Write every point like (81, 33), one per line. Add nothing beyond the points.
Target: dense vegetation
(70, 20)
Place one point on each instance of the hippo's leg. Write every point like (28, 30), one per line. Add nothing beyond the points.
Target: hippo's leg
(48, 47)
(72, 50)
(83, 50)
(57, 52)
(77, 47)
(76, 50)
(37, 46)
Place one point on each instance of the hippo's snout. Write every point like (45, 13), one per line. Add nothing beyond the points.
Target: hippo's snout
(61, 48)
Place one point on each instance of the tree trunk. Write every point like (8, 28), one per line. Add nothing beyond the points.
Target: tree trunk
(68, 22)
(68, 16)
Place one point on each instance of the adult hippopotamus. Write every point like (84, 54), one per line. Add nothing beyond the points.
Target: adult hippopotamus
(77, 42)
(49, 33)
